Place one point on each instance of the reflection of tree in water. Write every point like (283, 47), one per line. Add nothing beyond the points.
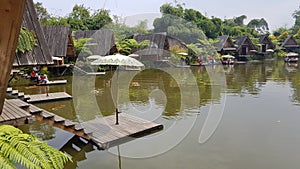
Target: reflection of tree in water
(295, 84)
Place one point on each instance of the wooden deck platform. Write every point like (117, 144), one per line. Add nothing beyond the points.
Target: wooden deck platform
(13, 114)
(51, 97)
(54, 82)
(105, 133)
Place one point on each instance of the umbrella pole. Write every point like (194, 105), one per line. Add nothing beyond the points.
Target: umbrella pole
(117, 111)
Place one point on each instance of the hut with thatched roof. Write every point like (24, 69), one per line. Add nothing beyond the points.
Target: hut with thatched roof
(102, 42)
(40, 55)
(225, 45)
(160, 45)
(245, 48)
(60, 43)
(290, 44)
(265, 44)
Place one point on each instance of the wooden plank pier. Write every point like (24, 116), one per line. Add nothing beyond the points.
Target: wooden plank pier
(105, 133)
(48, 97)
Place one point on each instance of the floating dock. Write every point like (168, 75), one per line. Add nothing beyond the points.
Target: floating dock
(105, 133)
(54, 82)
(47, 97)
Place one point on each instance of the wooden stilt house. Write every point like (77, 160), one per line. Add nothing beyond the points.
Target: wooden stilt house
(40, 54)
(225, 45)
(245, 48)
(60, 43)
(265, 44)
(290, 44)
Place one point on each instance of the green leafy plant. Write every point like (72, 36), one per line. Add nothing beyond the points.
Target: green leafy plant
(27, 40)
(82, 46)
(26, 150)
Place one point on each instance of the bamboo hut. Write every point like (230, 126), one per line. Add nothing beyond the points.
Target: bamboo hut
(225, 45)
(60, 43)
(40, 54)
(290, 44)
(265, 43)
(245, 48)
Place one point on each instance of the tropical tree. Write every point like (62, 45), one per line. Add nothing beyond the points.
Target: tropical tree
(240, 20)
(296, 16)
(26, 150)
(260, 25)
(42, 13)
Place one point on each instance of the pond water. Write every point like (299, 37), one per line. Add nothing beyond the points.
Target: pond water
(215, 117)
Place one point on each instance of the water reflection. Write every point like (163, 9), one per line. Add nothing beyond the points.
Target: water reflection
(253, 109)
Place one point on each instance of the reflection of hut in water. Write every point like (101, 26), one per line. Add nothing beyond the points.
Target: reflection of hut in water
(266, 44)
(160, 45)
(245, 48)
(225, 45)
(290, 44)
(60, 43)
(103, 41)
(40, 54)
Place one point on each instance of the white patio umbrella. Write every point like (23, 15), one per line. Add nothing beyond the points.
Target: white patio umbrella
(117, 60)
(94, 57)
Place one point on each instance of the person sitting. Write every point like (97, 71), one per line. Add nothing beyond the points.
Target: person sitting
(44, 78)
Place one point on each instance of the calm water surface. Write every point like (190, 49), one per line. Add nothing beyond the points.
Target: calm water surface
(249, 113)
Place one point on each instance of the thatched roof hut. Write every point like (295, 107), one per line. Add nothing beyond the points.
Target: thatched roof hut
(159, 45)
(40, 54)
(290, 44)
(225, 45)
(265, 43)
(103, 39)
(244, 46)
(59, 40)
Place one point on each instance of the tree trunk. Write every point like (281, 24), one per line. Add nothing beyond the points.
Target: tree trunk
(11, 14)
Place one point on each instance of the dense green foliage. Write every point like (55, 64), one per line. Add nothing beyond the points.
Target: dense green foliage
(26, 150)
(128, 46)
(26, 41)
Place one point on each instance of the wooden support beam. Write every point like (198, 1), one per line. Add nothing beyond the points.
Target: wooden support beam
(11, 14)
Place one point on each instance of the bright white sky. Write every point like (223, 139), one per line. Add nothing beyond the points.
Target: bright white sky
(278, 13)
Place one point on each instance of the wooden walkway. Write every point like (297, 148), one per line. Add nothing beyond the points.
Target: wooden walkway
(13, 114)
(50, 97)
(105, 133)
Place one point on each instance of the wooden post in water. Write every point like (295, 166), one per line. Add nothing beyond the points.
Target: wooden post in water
(11, 14)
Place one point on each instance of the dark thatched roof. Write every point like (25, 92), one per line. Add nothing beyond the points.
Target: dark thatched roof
(264, 39)
(103, 39)
(40, 54)
(244, 41)
(290, 42)
(224, 43)
(157, 43)
(59, 40)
